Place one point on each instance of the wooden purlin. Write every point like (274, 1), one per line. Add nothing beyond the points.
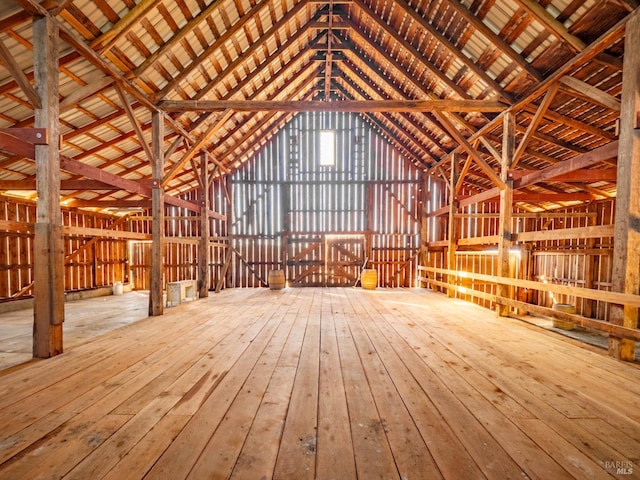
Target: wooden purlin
(590, 52)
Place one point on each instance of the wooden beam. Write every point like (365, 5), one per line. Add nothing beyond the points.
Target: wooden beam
(35, 136)
(156, 306)
(598, 231)
(592, 93)
(486, 168)
(144, 187)
(48, 248)
(553, 197)
(583, 175)
(463, 173)
(505, 221)
(604, 41)
(19, 76)
(108, 204)
(552, 24)
(134, 121)
(626, 247)
(449, 46)
(88, 90)
(203, 244)
(215, 47)
(10, 143)
(105, 41)
(334, 106)
(71, 184)
(533, 125)
(578, 162)
(211, 131)
(33, 7)
(494, 39)
(453, 222)
(601, 295)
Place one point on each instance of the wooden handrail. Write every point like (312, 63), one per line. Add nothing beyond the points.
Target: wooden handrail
(610, 297)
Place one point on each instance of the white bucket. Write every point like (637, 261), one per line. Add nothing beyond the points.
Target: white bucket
(118, 288)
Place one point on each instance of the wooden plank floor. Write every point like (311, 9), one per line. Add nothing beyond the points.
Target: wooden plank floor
(324, 383)
(84, 319)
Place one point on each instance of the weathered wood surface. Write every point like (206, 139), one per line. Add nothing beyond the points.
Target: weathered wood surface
(322, 383)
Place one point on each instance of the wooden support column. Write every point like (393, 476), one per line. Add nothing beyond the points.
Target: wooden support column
(589, 308)
(626, 247)
(370, 206)
(203, 244)
(156, 306)
(506, 208)
(230, 217)
(48, 247)
(453, 222)
(286, 226)
(424, 223)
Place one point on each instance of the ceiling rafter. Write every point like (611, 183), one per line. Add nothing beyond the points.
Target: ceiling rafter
(211, 50)
(400, 128)
(450, 47)
(417, 55)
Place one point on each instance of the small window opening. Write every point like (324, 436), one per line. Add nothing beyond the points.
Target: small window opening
(327, 148)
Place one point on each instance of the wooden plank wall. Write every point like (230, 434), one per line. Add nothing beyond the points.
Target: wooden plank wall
(581, 262)
(101, 263)
(576, 262)
(182, 230)
(16, 249)
(288, 207)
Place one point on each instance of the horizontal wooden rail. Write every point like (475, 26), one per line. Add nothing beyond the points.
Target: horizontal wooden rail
(610, 297)
(592, 323)
(600, 325)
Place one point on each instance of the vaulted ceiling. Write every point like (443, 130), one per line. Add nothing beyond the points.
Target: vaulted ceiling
(556, 64)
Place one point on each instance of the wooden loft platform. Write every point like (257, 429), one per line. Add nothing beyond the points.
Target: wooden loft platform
(323, 383)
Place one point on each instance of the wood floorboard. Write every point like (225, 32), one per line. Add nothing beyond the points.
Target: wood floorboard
(322, 383)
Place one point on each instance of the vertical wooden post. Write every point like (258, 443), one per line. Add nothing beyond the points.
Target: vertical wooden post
(203, 244)
(506, 208)
(453, 222)
(424, 224)
(591, 264)
(230, 219)
(48, 258)
(626, 247)
(156, 306)
(286, 225)
(370, 212)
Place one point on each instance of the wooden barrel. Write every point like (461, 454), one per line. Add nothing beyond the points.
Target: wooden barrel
(276, 279)
(369, 278)
(565, 308)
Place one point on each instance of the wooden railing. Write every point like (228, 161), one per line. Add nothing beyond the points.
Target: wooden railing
(609, 297)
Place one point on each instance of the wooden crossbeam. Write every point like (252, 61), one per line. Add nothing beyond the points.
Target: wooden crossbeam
(584, 175)
(19, 76)
(213, 129)
(15, 145)
(592, 93)
(533, 125)
(584, 160)
(134, 120)
(486, 168)
(334, 106)
(71, 184)
(541, 14)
